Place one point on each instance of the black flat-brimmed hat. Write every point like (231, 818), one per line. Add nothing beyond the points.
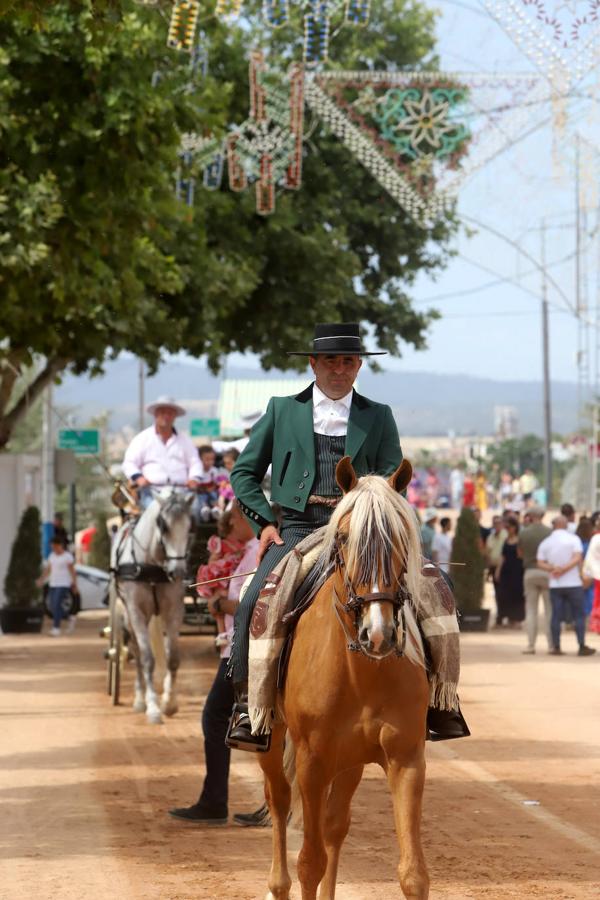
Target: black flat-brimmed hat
(337, 339)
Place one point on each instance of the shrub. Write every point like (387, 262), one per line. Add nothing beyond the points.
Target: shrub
(25, 562)
(100, 545)
(466, 548)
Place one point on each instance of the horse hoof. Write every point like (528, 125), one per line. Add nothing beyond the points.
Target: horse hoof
(139, 706)
(154, 718)
(169, 709)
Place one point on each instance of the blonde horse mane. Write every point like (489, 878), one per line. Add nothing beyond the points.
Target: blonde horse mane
(381, 524)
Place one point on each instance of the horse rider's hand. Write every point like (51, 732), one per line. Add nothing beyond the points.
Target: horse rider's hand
(193, 485)
(269, 535)
(141, 482)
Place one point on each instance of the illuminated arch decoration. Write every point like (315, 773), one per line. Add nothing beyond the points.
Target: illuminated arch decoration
(562, 37)
(412, 130)
(266, 150)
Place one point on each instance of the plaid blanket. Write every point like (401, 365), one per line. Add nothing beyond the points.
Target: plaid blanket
(436, 616)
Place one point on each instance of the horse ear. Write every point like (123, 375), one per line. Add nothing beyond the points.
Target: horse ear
(190, 499)
(345, 474)
(401, 477)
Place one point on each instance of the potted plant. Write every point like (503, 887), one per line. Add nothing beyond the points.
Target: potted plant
(23, 610)
(468, 578)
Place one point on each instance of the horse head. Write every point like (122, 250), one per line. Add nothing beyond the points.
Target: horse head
(173, 526)
(374, 539)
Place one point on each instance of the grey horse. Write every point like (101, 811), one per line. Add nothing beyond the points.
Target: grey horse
(148, 564)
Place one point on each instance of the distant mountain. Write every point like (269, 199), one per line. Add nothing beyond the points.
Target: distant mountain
(423, 403)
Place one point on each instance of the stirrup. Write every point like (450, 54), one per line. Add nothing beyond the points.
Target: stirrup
(252, 743)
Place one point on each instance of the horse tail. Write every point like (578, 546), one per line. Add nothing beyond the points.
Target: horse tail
(289, 767)
(157, 642)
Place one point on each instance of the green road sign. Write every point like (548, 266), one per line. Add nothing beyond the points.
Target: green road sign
(83, 442)
(205, 427)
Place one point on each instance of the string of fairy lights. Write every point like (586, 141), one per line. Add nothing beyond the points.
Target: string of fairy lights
(419, 134)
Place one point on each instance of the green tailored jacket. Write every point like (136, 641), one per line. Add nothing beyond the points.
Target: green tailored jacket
(284, 439)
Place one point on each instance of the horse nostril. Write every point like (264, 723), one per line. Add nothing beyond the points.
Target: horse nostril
(364, 636)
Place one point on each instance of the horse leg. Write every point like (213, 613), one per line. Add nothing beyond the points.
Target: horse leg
(337, 823)
(278, 795)
(313, 782)
(172, 615)
(406, 777)
(139, 625)
(139, 703)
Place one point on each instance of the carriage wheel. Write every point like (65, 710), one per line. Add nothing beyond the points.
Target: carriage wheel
(116, 653)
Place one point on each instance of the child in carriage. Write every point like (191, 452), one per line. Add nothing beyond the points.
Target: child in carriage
(226, 552)
(222, 480)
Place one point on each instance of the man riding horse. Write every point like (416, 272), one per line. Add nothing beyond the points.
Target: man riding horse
(160, 455)
(303, 438)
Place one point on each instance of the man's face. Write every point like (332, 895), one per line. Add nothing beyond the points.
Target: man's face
(164, 416)
(335, 375)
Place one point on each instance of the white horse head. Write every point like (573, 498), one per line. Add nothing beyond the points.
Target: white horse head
(172, 519)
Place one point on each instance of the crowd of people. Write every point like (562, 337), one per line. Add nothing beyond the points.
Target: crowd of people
(528, 562)
(461, 486)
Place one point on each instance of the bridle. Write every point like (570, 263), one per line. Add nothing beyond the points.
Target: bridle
(163, 529)
(355, 603)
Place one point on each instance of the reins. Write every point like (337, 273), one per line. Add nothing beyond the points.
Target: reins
(355, 603)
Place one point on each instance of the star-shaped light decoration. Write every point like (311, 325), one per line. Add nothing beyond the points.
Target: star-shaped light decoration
(267, 148)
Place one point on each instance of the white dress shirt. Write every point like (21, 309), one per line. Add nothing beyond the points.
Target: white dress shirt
(173, 462)
(558, 550)
(330, 416)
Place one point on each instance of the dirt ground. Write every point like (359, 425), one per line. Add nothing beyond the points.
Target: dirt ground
(84, 787)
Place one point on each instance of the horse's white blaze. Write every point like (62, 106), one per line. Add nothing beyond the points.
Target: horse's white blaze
(376, 625)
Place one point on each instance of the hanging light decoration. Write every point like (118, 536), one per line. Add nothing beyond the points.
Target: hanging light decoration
(267, 149)
(182, 27)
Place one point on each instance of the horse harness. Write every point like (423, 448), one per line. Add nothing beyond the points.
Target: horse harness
(355, 603)
(148, 573)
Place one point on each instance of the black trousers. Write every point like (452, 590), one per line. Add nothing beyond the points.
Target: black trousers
(215, 718)
(291, 535)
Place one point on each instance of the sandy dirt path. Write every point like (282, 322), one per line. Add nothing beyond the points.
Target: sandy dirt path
(84, 787)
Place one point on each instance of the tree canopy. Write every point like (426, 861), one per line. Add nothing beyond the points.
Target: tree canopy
(96, 254)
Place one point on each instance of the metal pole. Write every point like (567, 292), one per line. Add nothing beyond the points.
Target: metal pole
(72, 511)
(141, 374)
(47, 473)
(546, 372)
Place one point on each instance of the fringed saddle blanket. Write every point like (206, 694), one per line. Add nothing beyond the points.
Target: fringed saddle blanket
(436, 616)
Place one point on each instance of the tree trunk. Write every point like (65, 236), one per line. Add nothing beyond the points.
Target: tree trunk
(10, 417)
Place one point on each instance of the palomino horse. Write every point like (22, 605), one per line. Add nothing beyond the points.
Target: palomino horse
(148, 562)
(343, 709)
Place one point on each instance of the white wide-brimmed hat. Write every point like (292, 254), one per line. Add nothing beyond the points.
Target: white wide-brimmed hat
(166, 401)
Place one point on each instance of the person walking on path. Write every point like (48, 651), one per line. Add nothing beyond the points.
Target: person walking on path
(442, 545)
(493, 556)
(59, 571)
(428, 532)
(536, 580)
(511, 599)
(211, 808)
(561, 554)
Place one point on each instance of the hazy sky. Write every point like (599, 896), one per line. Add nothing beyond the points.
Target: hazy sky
(489, 294)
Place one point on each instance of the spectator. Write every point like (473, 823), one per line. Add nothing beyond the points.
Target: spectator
(211, 808)
(568, 511)
(509, 575)
(484, 531)
(223, 483)
(591, 570)
(505, 490)
(442, 545)
(428, 531)
(584, 532)
(560, 554)
(59, 571)
(493, 555)
(226, 552)
(527, 485)
(457, 478)
(481, 498)
(535, 580)
(59, 530)
(468, 491)
(205, 506)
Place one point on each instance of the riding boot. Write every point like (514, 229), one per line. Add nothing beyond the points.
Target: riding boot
(239, 733)
(446, 724)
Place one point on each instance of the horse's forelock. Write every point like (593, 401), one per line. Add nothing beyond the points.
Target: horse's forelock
(377, 523)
